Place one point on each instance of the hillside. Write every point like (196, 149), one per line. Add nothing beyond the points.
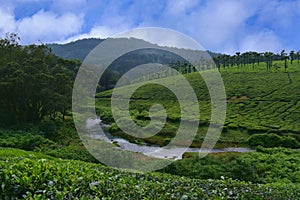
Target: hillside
(258, 101)
(79, 49)
(75, 50)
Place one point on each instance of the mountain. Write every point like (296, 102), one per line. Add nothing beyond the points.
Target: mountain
(75, 50)
(80, 49)
(172, 56)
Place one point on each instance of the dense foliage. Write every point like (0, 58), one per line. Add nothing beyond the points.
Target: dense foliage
(50, 137)
(273, 140)
(31, 175)
(34, 83)
(262, 166)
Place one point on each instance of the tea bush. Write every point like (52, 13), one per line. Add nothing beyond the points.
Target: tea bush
(27, 175)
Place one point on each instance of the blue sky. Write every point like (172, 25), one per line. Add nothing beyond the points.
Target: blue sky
(223, 26)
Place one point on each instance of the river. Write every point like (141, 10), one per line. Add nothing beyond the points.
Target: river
(92, 126)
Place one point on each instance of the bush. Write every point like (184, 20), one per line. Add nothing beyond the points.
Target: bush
(26, 141)
(113, 128)
(273, 140)
(266, 165)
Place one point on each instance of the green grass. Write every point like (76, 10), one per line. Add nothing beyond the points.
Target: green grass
(258, 101)
(29, 175)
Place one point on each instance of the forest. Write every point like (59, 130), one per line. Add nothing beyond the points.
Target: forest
(42, 156)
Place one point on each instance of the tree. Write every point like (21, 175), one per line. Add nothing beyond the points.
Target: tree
(238, 58)
(292, 56)
(298, 56)
(284, 57)
(33, 83)
(269, 59)
(217, 62)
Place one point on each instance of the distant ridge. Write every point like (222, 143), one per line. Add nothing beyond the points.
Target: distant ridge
(75, 50)
(79, 49)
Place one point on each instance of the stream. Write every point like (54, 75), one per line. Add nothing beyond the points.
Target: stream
(92, 126)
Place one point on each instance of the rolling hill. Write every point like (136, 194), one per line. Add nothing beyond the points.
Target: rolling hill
(258, 102)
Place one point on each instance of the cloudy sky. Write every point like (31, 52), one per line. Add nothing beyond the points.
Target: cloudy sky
(222, 26)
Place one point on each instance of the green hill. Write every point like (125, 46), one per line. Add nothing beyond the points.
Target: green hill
(258, 101)
(81, 48)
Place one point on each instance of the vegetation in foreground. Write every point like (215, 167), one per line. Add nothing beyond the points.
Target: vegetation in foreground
(34, 176)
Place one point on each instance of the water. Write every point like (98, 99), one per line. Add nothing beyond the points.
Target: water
(175, 153)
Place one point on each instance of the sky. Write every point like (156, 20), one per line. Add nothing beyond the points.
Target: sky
(225, 26)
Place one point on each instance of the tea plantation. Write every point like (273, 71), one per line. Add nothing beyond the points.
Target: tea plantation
(28, 175)
(258, 102)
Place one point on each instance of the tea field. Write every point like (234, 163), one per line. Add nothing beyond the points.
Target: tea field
(258, 102)
(29, 175)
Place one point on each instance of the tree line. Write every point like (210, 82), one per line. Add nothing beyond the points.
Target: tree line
(252, 58)
(223, 61)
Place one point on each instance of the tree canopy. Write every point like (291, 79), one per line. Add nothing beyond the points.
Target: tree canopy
(33, 82)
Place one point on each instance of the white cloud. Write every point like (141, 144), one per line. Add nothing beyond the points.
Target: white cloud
(261, 42)
(44, 26)
(48, 26)
(279, 14)
(7, 22)
(217, 25)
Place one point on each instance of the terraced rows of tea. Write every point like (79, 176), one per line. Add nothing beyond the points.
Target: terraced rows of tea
(263, 101)
(258, 101)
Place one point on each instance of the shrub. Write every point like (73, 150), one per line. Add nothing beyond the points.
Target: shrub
(272, 140)
(113, 128)
(25, 141)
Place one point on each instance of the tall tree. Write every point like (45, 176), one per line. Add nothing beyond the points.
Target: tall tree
(284, 57)
(238, 58)
(217, 62)
(292, 56)
(269, 59)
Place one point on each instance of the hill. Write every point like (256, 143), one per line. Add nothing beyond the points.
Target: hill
(258, 102)
(79, 49)
(75, 50)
